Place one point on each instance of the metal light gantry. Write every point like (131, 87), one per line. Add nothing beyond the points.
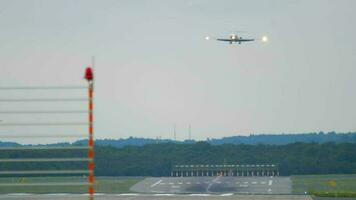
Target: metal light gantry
(89, 159)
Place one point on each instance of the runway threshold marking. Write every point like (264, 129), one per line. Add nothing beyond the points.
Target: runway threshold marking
(156, 183)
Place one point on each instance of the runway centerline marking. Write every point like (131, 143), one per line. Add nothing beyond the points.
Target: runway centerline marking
(156, 183)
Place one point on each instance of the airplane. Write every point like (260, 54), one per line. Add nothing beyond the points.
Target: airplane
(235, 38)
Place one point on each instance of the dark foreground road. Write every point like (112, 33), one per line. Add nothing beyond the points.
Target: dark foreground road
(211, 185)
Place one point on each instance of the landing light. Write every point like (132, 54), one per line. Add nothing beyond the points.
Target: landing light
(264, 39)
(207, 38)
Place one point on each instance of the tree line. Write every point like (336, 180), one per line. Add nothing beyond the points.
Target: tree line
(158, 159)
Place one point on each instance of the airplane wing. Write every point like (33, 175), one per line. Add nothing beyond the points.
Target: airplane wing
(246, 40)
(226, 40)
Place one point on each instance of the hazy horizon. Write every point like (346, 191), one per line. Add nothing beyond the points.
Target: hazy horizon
(155, 70)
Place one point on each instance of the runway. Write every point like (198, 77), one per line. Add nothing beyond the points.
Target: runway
(213, 185)
(190, 188)
(152, 197)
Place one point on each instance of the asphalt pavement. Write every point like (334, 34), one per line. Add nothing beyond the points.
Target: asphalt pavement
(152, 197)
(211, 185)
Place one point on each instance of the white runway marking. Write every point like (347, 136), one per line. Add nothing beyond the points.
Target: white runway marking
(171, 183)
(156, 183)
(199, 195)
(58, 194)
(254, 182)
(270, 182)
(128, 194)
(228, 194)
(269, 190)
(243, 185)
(263, 182)
(164, 194)
(188, 183)
(212, 182)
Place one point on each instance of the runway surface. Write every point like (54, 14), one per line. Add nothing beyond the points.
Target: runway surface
(153, 197)
(211, 185)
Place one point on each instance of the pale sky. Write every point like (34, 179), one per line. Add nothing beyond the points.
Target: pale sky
(155, 69)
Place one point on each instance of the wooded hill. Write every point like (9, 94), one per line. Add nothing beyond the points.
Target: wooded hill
(157, 159)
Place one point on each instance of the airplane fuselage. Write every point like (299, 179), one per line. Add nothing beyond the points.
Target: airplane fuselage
(234, 38)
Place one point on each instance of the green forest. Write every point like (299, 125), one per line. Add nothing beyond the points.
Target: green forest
(157, 159)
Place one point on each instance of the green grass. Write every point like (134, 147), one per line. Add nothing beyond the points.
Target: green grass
(102, 185)
(325, 185)
(335, 194)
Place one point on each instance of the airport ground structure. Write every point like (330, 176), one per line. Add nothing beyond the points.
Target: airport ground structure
(224, 170)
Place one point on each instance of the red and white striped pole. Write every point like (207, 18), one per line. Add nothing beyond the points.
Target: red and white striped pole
(89, 76)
